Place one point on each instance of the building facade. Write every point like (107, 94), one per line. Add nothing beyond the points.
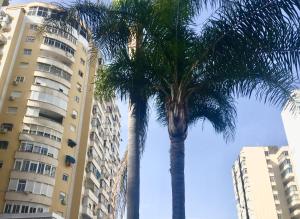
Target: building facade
(291, 123)
(265, 185)
(51, 163)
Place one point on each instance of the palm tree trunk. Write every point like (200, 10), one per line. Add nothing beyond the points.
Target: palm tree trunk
(133, 171)
(177, 177)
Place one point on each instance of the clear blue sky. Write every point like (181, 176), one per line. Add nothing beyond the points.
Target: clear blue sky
(209, 190)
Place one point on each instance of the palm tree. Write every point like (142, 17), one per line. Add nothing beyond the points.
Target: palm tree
(246, 48)
(117, 30)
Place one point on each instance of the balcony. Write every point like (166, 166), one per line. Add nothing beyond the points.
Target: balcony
(36, 157)
(39, 139)
(91, 194)
(43, 121)
(24, 196)
(288, 177)
(33, 176)
(295, 214)
(45, 105)
(88, 213)
(52, 62)
(57, 54)
(2, 39)
(93, 178)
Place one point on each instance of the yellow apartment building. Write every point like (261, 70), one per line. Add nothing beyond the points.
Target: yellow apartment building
(59, 146)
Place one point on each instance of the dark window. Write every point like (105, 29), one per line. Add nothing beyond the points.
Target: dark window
(32, 210)
(16, 209)
(3, 144)
(25, 165)
(1, 164)
(7, 126)
(80, 73)
(7, 208)
(65, 177)
(21, 185)
(24, 209)
(41, 168)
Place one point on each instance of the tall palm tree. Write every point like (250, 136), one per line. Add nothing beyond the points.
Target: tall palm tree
(248, 47)
(117, 30)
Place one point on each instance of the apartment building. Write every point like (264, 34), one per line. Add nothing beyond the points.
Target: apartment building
(265, 185)
(291, 122)
(101, 162)
(58, 144)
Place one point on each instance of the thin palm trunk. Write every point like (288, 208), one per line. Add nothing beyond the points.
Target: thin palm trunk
(177, 127)
(177, 177)
(133, 174)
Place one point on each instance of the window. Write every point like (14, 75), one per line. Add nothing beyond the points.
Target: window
(41, 168)
(30, 39)
(27, 51)
(266, 153)
(65, 177)
(47, 169)
(49, 98)
(43, 12)
(51, 84)
(82, 61)
(7, 208)
(16, 209)
(76, 99)
(18, 164)
(58, 44)
(272, 178)
(23, 64)
(32, 11)
(12, 110)
(21, 185)
(62, 198)
(32, 210)
(275, 197)
(42, 131)
(16, 94)
(33, 26)
(36, 149)
(7, 126)
(20, 79)
(62, 33)
(1, 164)
(79, 87)
(3, 144)
(24, 209)
(53, 70)
(80, 73)
(25, 166)
(33, 167)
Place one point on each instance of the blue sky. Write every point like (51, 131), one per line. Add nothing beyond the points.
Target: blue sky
(209, 190)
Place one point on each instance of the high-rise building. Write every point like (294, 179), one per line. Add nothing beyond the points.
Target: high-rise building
(58, 145)
(265, 185)
(291, 121)
(101, 163)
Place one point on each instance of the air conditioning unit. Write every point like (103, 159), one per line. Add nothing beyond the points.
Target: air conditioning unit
(3, 130)
(74, 115)
(63, 201)
(15, 82)
(12, 98)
